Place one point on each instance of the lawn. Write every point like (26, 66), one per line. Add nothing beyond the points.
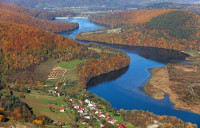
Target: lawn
(69, 64)
(95, 49)
(45, 99)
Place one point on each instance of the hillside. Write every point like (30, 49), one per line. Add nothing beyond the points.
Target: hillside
(23, 47)
(52, 26)
(19, 15)
(171, 29)
(129, 18)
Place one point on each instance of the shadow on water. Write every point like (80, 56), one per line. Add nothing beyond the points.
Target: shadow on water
(157, 54)
(106, 77)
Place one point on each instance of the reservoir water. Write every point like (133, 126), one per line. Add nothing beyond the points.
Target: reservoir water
(124, 88)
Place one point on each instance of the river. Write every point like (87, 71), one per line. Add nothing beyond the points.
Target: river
(124, 88)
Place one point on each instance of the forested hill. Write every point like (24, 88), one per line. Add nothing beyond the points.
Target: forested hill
(171, 29)
(19, 18)
(19, 15)
(22, 46)
(129, 18)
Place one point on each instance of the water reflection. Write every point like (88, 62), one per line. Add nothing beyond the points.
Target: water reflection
(106, 77)
(157, 54)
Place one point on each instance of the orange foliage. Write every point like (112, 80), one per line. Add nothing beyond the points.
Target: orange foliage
(94, 67)
(22, 46)
(2, 118)
(130, 17)
(39, 122)
(15, 17)
(2, 109)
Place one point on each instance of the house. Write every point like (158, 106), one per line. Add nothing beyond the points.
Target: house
(90, 105)
(87, 101)
(87, 117)
(121, 126)
(111, 121)
(64, 84)
(76, 106)
(82, 108)
(96, 112)
(56, 88)
(62, 110)
(82, 122)
(70, 99)
(101, 115)
(80, 111)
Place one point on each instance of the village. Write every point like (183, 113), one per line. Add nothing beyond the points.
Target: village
(88, 110)
(69, 104)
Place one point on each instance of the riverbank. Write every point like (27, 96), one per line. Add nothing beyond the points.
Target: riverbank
(174, 80)
(136, 75)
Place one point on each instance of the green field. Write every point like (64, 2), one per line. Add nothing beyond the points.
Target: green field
(95, 49)
(44, 109)
(69, 64)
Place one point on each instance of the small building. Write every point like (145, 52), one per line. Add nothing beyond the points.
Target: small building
(62, 110)
(87, 101)
(111, 121)
(76, 106)
(101, 115)
(70, 100)
(80, 111)
(82, 108)
(96, 112)
(121, 126)
(90, 105)
(87, 117)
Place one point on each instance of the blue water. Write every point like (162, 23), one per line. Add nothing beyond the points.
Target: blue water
(125, 91)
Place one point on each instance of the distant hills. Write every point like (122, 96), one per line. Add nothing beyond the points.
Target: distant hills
(110, 4)
(166, 5)
(164, 28)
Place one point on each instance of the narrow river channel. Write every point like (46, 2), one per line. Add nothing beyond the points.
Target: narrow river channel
(124, 88)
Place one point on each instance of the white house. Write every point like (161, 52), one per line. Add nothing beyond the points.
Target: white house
(70, 99)
(80, 111)
(87, 101)
(101, 115)
(111, 121)
(87, 117)
(96, 112)
(90, 105)
(62, 110)
(76, 106)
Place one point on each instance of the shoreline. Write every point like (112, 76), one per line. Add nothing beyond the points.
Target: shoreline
(132, 45)
(157, 89)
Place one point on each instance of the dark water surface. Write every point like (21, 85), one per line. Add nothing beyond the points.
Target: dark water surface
(124, 88)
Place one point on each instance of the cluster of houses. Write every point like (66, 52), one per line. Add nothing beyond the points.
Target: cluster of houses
(85, 111)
